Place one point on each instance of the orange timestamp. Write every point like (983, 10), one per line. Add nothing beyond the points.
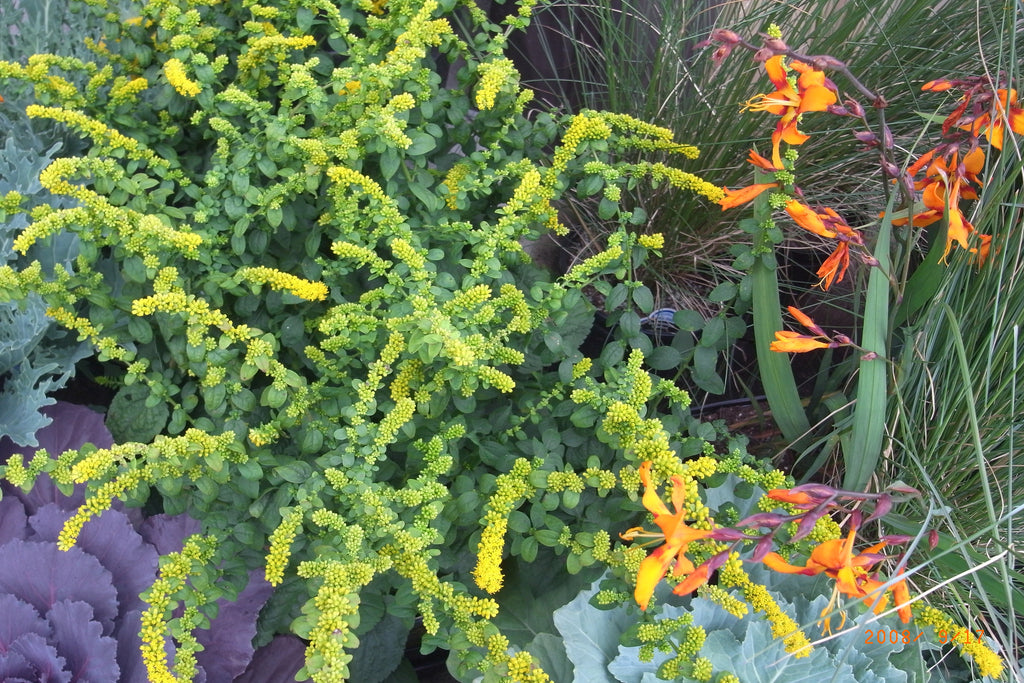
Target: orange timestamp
(893, 637)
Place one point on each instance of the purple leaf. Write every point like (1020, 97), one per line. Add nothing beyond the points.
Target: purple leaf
(41, 657)
(18, 618)
(112, 540)
(228, 642)
(13, 522)
(276, 662)
(41, 575)
(90, 655)
(167, 533)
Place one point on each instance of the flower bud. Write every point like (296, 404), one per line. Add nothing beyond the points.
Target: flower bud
(867, 137)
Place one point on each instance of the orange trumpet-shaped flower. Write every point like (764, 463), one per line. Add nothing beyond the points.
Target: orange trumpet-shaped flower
(794, 342)
(852, 573)
(734, 198)
(1007, 113)
(811, 93)
(946, 181)
(787, 341)
(827, 223)
(677, 536)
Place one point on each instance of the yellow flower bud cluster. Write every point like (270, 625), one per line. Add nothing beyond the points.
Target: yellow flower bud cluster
(174, 570)
(494, 75)
(584, 126)
(362, 256)
(724, 599)
(782, 625)
(680, 179)
(104, 138)
(126, 91)
(586, 269)
(336, 603)
(451, 183)
(496, 378)
(989, 663)
(511, 489)
(653, 241)
(264, 49)
(177, 76)
(304, 289)
(280, 545)
(384, 209)
(388, 427)
(98, 503)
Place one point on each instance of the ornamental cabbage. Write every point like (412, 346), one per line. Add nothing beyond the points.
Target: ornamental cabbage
(75, 615)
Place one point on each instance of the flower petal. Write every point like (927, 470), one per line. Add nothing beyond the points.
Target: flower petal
(734, 198)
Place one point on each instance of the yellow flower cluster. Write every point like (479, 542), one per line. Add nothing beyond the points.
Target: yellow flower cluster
(125, 91)
(342, 176)
(304, 289)
(521, 669)
(392, 422)
(680, 179)
(451, 183)
(724, 599)
(274, 47)
(793, 639)
(361, 255)
(174, 70)
(584, 270)
(407, 254)
(97, 504)
(152, 227)
(496, 378)
(280, 545)
(989, 663)
(653, 241)
(584, 126)
(494, 74)
(511, 488)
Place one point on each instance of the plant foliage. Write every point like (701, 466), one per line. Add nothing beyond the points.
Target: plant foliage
(300, 258)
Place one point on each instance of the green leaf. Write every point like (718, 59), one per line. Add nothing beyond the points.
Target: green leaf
(130, 419)
(607, 209)
(664, 358)
(389, 163)
(380, 651)
(872, 382)
(776, 372)
(723, 292)
(644, 299)
(591, 637)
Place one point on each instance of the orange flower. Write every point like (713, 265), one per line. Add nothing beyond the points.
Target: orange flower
(794, 497)
(827, 223)
(811, 93)
(677, 536)
(1007, 111)
(946, 181)
(852, 573)
(794, 342)
(734, 198)
(787, 341)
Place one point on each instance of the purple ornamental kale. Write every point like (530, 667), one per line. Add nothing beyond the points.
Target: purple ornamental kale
(75, 615)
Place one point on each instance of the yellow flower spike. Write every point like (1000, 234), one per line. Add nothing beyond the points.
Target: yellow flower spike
(174, 69)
